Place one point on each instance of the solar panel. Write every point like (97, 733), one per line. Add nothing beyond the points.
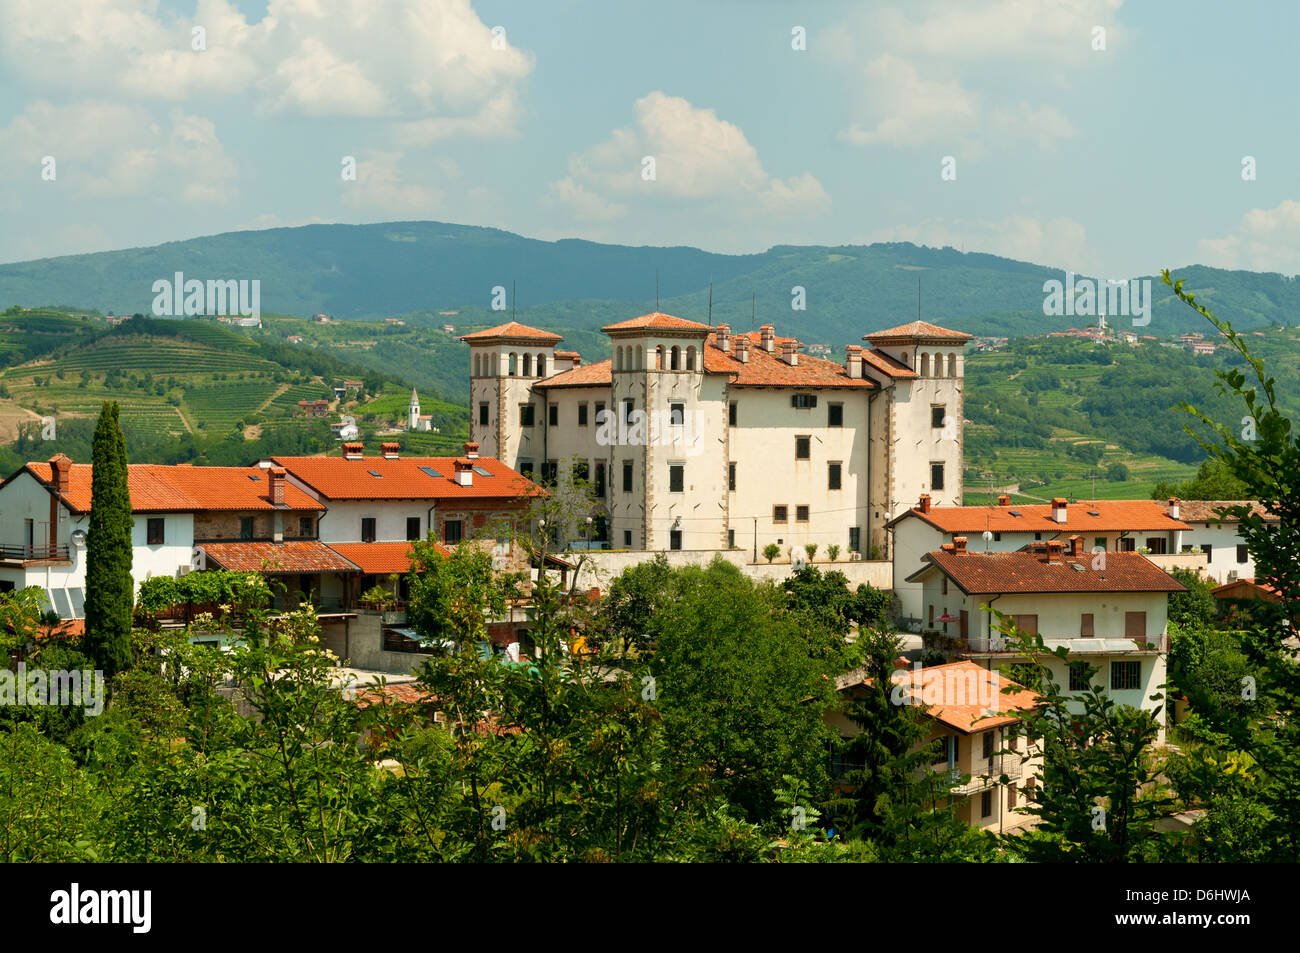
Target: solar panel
(432, 472)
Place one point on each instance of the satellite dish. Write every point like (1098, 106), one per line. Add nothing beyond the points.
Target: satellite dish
(78, 538)
(988, 536)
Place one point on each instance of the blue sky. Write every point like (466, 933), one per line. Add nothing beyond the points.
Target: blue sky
(1112, 162)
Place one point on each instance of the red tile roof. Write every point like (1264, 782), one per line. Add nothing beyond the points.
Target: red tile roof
(402, 694)
(990, 573)
(1112, 516)
(67, 629)
(916, 331)
(960, 686)
(1203, 511)
(298, 556)
(888, 365)
(155, 488)
(512, 331)
(378, 559)
(403, 479)
(588, 375)
(656, 321)
(1248, 588)
(769, 370)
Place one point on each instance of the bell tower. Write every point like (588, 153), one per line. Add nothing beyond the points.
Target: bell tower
(507, 420)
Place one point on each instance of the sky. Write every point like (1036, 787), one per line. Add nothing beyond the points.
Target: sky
(1097, 136)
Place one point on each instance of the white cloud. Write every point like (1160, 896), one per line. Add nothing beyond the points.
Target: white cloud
(380, 187)
(937, 83)
(108, 150)
(584, 205)
(697, 157)
(1264, 240)
(427, 61)
(1061, 242)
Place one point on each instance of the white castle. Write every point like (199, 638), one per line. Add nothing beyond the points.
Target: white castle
(716, 439)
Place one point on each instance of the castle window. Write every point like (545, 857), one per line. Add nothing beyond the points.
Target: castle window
(528, 365)
(627, 476)
(514, 363)
(802, 448)
(525, 415)
(676, 478)
(925, 365)
(553, 414)
(541, 365)
(676, 355)
(936, 476)
(690, 358)
(600, 412)
(731, 414)
(483, 414)
(780, 514)
(801, 514)
(659, 358)
(629, 405)
(835, 415)
(478, 365)
(937, 414)
(834, 476)
(676, 415)
(952, 365)
(731, 476)
(582, 414)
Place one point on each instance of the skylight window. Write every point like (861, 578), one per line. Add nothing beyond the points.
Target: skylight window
(254, 477)
(1093, 513)
(482, 472)
(432, 472)
(1076, 567)
(1016, 513)
(377, 476)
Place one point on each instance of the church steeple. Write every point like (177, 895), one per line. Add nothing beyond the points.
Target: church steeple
(413, 411)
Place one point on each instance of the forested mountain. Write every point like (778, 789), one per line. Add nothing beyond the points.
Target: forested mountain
(396, 268)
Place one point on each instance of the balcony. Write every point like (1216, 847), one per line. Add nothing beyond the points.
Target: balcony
(21, 553)
(988, 772)
(1076, 645)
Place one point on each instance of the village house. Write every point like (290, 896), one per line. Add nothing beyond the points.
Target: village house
(1107, 525)
(978, 727)
(696, 438)
(184, 518)
(1227, 557)
(1109, 611)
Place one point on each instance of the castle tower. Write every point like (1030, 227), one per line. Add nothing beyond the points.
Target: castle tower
(666, 420)
(916, 425)
(506, 419)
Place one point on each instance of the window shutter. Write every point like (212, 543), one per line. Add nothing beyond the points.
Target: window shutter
(794, 400)
(813, 401)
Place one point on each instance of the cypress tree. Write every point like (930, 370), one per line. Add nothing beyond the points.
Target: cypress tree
(110, 591)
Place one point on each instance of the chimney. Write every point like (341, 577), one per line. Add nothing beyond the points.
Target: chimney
(1058, 510)
(742, 350)
(471, 450)
(1173, 507)
(901, 663)
(61, 471)
(1004, 500)
(1076, 546)
(924, 504)
(577, 359)
(1054, 549)
(723, 332)
(389, 450)
(354, 451)
(959, 543)
(790, 353)
(767, 334)
(853, 362)
(275, 476)
(464, 473)
(948, 547)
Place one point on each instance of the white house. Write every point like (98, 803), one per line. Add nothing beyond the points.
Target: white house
(697, 438)
(1228, 557)
(1108, 610)
(45, 513)
(1108, 525)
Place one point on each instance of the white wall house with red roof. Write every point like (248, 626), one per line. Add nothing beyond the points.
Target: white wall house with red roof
(1108, 610)
(1107, 525)
(756, 443)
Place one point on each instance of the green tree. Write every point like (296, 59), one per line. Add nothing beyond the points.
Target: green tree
(1257, 446)
(109, 587)
(1195, 607)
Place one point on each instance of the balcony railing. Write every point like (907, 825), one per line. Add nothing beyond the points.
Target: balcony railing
(987, 772)
(23, 553)
(1076, 644)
